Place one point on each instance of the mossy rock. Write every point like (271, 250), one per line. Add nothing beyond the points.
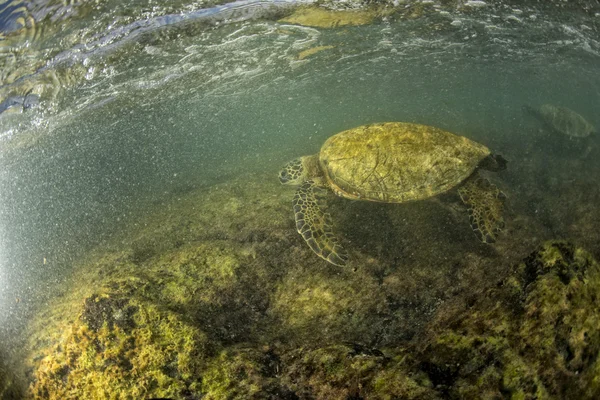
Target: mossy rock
(319, 17)
(344, 371)
(352, 371)
(537, 336)
(321, 307)
(245, 373)
(121, 348)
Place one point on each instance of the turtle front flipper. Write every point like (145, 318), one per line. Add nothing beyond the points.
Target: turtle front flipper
(315, 225)
(486, 205)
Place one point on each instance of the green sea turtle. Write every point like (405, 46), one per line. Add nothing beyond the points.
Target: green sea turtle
(562, 120)
(393, 162)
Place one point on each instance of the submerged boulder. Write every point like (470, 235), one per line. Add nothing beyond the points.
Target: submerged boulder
(120, 346)
(535, 336)
(324, 18)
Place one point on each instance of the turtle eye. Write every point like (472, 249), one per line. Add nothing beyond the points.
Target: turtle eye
(283, 176)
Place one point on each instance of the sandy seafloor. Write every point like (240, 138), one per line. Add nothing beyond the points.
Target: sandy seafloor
(202, 288)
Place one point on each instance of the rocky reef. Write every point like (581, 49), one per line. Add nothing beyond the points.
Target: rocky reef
(216, 296)
(535, 336)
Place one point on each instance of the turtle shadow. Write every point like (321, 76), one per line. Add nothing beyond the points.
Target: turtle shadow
(415, 232)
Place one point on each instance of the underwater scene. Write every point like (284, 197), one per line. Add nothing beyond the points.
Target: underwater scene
(358, 199)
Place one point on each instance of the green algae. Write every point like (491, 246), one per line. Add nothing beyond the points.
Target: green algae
(157, 353)
(347, 371)
(144, 330)
(244, 373)
(397, 381)
(324, 18)
(320, 307)
(536, 337)
(217, 297)
(142, 321)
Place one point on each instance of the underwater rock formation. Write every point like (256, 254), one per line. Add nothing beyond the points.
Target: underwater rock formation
(353, 371)
(324, 18)
(124, 346)
(215, 296)
(537, 336)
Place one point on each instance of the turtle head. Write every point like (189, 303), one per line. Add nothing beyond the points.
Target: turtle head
(292, 173)
(493, 162)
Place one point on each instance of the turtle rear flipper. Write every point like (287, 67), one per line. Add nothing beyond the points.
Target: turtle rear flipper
(486, 205)
(315, 225)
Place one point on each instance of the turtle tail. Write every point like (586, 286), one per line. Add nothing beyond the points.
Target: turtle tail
(314, 225)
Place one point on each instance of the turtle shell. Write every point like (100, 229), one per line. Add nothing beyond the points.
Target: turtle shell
(396, 162)
(565, 121)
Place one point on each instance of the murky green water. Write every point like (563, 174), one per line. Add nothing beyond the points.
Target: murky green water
(136, 104)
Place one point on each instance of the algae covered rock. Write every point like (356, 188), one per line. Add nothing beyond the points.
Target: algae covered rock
(148, 331)
(537, 336)
(245, 373)
(124, 347)
(324, 18)
(353, 371)
(214, 298)
(320, 307)
(148, 317)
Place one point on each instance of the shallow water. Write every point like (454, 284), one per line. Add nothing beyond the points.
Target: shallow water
(142, 105)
